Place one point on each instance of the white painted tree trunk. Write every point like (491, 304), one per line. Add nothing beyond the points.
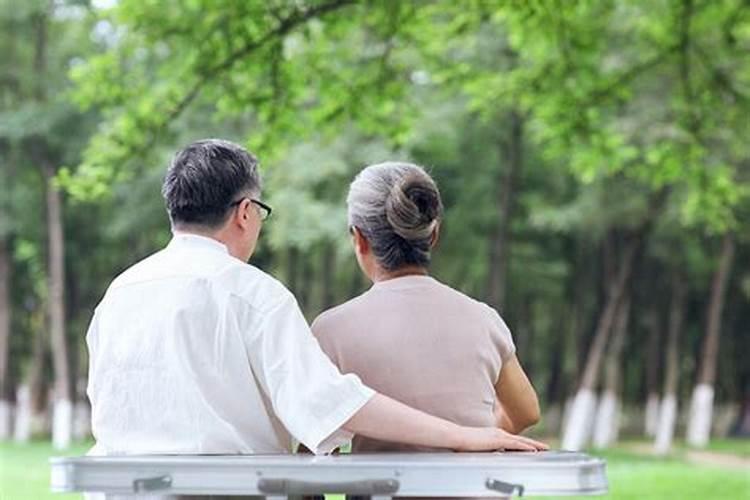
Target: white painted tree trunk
(22, 428)
(667, 421)
(701, 410)
(578, 426)
(652, 414)
(81, 420)
(567, 407)
(5, 322)
(606, 420)
(62, 423)
(6, 420)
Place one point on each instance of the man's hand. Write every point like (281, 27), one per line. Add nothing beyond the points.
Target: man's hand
(492, 439)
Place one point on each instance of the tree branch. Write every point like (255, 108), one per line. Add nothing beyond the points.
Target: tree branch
(693, 123)
(720, 77)
(632, 73)
(285, 26)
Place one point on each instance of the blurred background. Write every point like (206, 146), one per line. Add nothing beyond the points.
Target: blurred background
(593, 157)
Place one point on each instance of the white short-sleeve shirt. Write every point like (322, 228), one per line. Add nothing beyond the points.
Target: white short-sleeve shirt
(194, 351)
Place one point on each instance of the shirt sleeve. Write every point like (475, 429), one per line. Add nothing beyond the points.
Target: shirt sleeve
(308, 393)
(501, 336)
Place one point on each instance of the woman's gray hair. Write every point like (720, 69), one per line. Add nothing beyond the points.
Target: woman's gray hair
(397, 207)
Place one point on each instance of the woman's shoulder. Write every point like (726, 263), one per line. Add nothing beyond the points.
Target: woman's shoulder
(488, 320)
(465, 301)
(347, 311)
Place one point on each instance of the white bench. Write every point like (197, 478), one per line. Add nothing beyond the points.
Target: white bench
(377, 475)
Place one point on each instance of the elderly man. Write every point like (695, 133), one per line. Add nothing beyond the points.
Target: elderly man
(192, 350)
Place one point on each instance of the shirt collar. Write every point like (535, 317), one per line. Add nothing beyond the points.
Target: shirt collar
(180, 239)
(403, 282)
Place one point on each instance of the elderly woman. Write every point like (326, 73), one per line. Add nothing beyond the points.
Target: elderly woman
(410, 336)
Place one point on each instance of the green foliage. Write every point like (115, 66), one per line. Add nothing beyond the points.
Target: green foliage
(293, 67)
(652, 91)
(39, 129)
(621, 102)
(631, 87)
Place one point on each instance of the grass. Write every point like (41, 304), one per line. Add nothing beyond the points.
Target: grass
(739, 447)
(634, 476)
(24, 474)
(24, 470)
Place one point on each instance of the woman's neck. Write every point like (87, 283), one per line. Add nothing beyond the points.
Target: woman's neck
(383, 275)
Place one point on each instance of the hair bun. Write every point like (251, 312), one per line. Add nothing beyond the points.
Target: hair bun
(413, 207)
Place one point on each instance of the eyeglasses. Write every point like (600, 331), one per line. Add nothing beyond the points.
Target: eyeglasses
(264, 212)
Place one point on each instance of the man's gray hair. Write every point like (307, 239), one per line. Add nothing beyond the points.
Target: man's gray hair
(396, 206)
(205, 178)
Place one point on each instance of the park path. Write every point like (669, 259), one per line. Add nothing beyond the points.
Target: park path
(699, 457)
(718, 459)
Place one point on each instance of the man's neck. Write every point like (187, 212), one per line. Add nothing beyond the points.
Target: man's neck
(199, 231)
(218, 236)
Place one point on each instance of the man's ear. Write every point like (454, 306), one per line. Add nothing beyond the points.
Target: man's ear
(242, 213)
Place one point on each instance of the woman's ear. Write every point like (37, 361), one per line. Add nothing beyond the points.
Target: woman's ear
(435, 235)
(360, 242)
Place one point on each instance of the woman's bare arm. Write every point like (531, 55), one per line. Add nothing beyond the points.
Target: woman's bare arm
(519, 406)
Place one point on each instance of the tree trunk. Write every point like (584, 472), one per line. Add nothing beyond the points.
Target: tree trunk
(62, 406)
(653, 356)
(5, 322)
(701, 405)
(79, 370)
(23, 417)
(579, 423)
(524, 335)
(741, 427)
(668, 409)
(608, 413)
(328, 268)
(555, 383)
(63, 401)
(512, 153)
(31, 401)
(583, 279)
